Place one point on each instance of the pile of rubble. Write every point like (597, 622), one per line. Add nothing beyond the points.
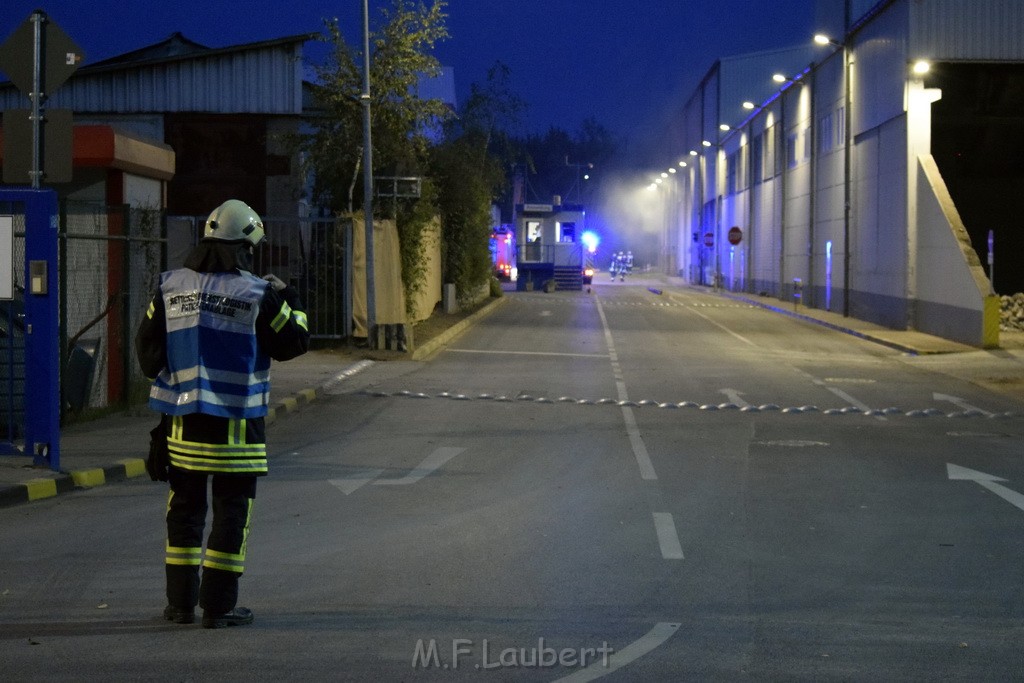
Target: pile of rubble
(1011, 315)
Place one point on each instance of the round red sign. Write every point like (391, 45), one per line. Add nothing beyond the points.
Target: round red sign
(735, 235)
(709, 239)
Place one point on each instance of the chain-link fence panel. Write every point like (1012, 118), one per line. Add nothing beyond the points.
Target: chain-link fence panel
(110, 261)
(314, 255)
(12, 341)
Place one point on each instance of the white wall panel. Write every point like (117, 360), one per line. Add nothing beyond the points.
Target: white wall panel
(957, 30)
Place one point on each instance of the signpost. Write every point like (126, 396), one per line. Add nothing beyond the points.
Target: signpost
(992, 260)
(38, 58)
(735, 235)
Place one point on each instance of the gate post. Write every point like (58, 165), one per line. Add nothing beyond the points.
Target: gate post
(42, 325)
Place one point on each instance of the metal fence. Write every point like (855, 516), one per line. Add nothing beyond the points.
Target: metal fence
(12, 346)
(312, 254)
(110, 261)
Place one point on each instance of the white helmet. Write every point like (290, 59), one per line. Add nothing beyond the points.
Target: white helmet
(234, 221)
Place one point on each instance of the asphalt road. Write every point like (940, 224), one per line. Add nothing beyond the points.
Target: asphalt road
(617, 485)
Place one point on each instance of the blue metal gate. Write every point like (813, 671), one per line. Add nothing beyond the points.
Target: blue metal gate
(12, 373)
(12, 334)
(30, 330)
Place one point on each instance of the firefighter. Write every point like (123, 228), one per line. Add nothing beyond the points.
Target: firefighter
(208, 338)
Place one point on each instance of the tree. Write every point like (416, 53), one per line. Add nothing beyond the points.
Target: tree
(468, 170)
(491, 111)
(556, 160)
(465, 193)
(401, 57)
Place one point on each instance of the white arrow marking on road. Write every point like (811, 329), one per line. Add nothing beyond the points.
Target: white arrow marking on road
(432, 462)
(960, 403)
(988, 481)
(349, 485)
(734, 397)
(635, 650)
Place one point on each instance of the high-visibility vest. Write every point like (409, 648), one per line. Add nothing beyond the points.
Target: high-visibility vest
(214, 364)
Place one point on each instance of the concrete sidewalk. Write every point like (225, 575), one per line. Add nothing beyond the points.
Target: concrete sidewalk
(114, 448)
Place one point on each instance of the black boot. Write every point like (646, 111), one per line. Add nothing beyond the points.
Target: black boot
(239, 616)
(179, 615)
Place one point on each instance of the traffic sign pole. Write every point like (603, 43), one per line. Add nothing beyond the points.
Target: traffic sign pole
(37, 96)
(38, 58)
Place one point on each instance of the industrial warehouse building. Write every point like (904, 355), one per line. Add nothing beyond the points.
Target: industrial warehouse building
(867, 180)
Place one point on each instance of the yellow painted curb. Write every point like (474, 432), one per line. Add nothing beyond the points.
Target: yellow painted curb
(134, 467)
(290, 404)
(308, 394)
(41, 488)
(89, 477)
(990, 323)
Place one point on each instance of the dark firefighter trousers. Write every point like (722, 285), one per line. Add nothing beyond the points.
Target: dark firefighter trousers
(224, 560)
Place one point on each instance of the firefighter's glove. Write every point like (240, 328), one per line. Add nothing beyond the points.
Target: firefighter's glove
(159, 459)
(275, 282)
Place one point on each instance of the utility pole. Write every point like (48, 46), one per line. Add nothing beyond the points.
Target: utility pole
(371, 294)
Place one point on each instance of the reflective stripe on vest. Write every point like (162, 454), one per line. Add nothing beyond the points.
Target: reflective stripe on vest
(215, 366)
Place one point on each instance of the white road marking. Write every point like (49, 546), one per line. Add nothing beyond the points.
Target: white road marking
(349, 485)
(635, 650)
(960, 403)
(720, 325)
(668, 539)
(849, 399)
(432, 462)
(529, 353)
(734, 397)
(956, 472)
(643, 460)
(839, 392)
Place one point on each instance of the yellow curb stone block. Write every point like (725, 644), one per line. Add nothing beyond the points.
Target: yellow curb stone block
(308, 394)
(41, 488)
(89, 477)
(134, 467)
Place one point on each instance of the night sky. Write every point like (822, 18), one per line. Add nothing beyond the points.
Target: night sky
(625, 64)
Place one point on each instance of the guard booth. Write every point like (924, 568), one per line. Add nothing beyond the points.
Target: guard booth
(548, 245)
(30, 326)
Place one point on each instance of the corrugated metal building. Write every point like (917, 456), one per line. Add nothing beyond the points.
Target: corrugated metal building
(224, 111)
(860, 183)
